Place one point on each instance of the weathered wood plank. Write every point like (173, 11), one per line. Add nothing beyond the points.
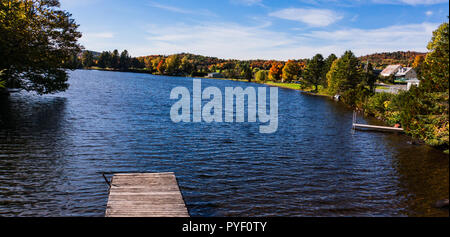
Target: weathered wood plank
(378, 128)
(145, 195)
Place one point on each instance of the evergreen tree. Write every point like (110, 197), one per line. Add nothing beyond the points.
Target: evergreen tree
(115, 59)
(369, 77)
(87, 59)
(315, 71)
(124, 60)
(246, 71)
(345, 74)
(104, 60)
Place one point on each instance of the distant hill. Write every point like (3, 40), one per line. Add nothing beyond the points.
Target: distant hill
(381, 60)
(94, 53)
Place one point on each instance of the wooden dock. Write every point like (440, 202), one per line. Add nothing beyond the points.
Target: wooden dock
(145, 195)
(377, 128)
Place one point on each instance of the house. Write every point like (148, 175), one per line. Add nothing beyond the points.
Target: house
(401, 74)
(215, 75)
(406, 73)
(412, 82)
(390, 70)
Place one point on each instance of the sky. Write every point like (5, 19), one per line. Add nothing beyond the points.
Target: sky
(257, 29)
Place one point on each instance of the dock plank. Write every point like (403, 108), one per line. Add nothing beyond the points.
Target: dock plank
(145, 195)
(377, 128)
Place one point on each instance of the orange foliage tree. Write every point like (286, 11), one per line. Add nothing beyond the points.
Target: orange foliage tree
(276, 71)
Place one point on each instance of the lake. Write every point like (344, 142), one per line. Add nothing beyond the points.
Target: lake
(53, 149)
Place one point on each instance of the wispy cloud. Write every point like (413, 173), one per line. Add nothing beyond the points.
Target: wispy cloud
(411, 2)
(225, 40)
(311, 17)
(423, 2)
(247, 2)
(429, 13)
(181, 10)
(392, 38)
(230, 40)
(99, 35)
(349, 3)
(78, 3)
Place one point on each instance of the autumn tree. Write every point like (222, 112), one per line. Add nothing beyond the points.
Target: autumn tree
(154, 64)
(173, 62)
(435, 72)
(424, 109)
(261, 76)
(315, 72)
(161, 68)
(291, 71)
(276, 71)
(418, 65)
(186, 65)
(38, 40)
(148, 63)
(328, 62)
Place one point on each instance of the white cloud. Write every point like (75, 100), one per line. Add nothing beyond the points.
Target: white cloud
(97, 41)
(423, 2)
(247, 2)
(169, 8)
(411, 2)
(359, 2)
(230, 40)
(361, 41)
(429, 13)
(311, 17)
(225, 40)
(98, 35)
(181, 10)
(77, 3)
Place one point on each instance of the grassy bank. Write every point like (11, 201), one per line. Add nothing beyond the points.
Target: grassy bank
(295, 86)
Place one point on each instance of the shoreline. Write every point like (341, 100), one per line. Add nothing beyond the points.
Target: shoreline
(270, 83)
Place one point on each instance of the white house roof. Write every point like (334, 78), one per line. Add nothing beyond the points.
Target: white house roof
(403, 71)
(390, 70)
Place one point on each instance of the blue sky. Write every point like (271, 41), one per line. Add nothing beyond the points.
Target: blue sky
(257, 29)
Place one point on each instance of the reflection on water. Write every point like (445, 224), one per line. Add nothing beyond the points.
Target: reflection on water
(52, 149)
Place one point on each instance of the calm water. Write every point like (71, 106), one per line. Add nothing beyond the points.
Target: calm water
(52, 149)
